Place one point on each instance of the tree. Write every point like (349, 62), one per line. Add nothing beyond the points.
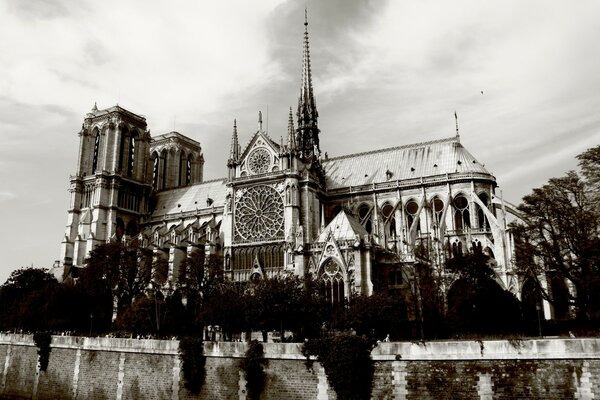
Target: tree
(558, 239)
(21, 288)
(275, 304)
(477, 304)
(377, 316)
(116, 274)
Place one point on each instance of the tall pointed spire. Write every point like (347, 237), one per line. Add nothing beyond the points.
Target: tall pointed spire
(308, 130)
(456, 121)
(291, 132)
(234, 152)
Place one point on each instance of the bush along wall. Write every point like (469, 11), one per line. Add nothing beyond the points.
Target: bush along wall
(42, 341)
(253, 365)
(347, 363)
(191, 353)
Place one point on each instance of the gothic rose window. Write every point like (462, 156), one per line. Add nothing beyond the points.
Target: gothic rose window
(259, 214)
(259, 161)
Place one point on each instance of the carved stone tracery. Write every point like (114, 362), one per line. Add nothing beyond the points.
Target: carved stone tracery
(259, 214)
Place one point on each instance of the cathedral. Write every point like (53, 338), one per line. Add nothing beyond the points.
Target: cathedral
(354, 221)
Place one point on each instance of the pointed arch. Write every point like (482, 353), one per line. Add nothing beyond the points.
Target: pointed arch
(131, 152)
(462, 217)
(333, 276)
(364, 215)
(482, 221)
(96, 134)
(155, 158)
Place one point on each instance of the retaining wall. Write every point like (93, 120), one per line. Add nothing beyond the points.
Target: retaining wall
(110, 368)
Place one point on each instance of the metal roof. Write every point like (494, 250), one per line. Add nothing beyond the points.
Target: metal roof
(437, 157)
(190, 198)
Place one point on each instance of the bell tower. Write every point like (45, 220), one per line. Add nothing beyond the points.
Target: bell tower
(110, 188)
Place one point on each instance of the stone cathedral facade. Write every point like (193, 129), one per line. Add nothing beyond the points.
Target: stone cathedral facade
(284, 207)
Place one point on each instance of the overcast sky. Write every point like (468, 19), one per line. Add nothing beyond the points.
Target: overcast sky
(523, 76)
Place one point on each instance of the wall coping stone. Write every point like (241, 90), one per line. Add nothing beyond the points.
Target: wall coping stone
(526, 349)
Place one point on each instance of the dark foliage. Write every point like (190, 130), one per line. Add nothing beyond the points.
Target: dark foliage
(42, 340)
(253, 365)
(347, 363)
(476, 302)
(558, 236)
(286, 303)
(33, 300)
(193, 361)
(377, 316)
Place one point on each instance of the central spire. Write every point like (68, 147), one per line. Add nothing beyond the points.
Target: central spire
(308, 131)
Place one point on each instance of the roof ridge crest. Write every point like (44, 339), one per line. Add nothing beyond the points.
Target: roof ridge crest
(406, 146)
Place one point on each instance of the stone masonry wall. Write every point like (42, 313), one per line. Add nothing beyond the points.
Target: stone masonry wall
(109, 368)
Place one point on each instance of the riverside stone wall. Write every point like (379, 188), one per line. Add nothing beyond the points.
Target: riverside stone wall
(110, 368)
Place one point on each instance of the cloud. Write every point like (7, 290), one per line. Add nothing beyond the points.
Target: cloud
(39, 9)
(7, 196)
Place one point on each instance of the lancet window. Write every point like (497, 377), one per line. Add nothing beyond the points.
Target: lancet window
(462, 218)
(412, 210)
(333, 287)
(96, 149)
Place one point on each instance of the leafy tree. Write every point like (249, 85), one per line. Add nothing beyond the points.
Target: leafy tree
(116, 274)
(253, 365)
(226, 305)
(377, 316)
(558, 235)
(18, 293)
(286, 303)
(347, 362)
(476, 302)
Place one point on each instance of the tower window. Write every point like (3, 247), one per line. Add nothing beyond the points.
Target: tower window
(155, 173)
(96, 148)
(131, 156)
(188, 171)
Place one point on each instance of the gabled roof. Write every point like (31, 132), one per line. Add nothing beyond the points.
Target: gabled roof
(437, 157)
(266, 139)
(343, 227)
(190, 198)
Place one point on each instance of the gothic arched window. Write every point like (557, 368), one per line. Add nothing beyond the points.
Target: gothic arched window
(188, 170)
(481, 218)
(462, 219)
(333, 282)
(390, 222)
(163, 160)
(412, 210)
(364, 215)
(182, 165)
(155, 163)
(131, 155)
(96, 149)
(438, 208)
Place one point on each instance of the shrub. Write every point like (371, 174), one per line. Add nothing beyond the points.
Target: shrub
(42, 341)
(347, 363)
(191, 353)
(253, 367)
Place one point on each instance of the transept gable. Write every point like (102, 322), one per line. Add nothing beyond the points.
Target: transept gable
(343, 227)
(260, 156)
(331, 251)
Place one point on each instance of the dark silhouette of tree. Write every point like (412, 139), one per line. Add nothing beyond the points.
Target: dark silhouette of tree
(116, 274)
(377, 316)
(17, 294)
(477, 304)
(558, 239)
